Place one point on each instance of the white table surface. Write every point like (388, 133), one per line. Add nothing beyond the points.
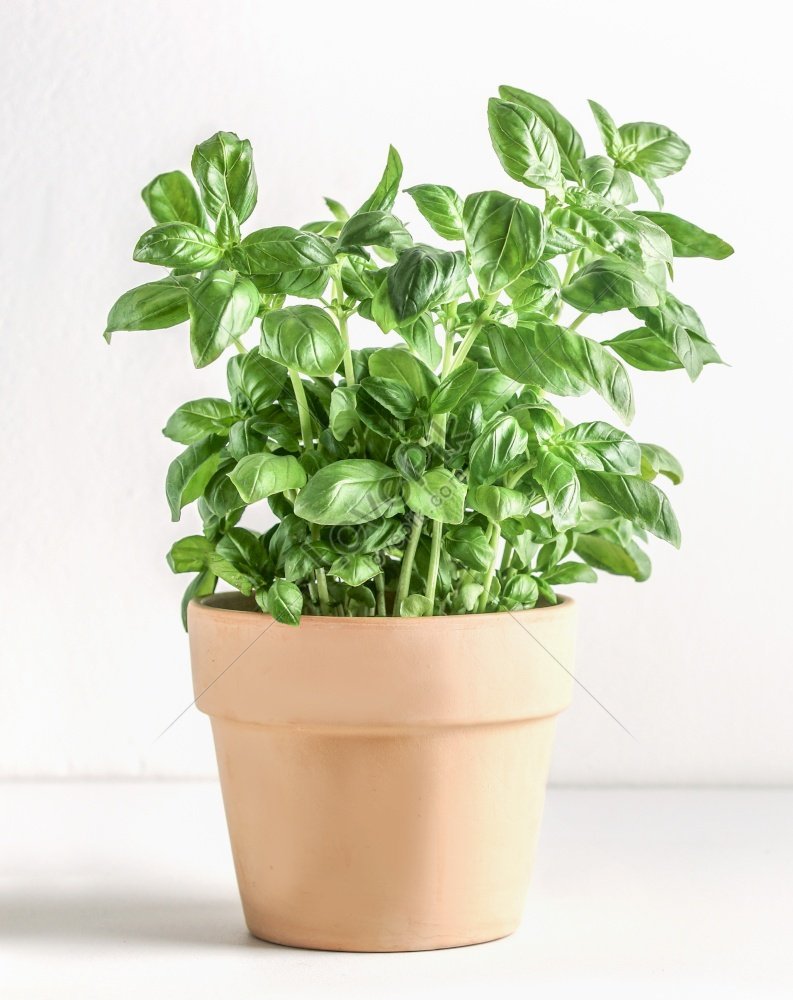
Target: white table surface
(126, 889)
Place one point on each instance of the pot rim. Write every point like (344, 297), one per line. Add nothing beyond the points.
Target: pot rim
(220, 606)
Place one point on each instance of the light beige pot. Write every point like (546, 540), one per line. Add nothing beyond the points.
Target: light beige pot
(383, 778)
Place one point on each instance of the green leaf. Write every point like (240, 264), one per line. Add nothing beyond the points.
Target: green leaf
(639, 501)
(384, 195)
(355, 569)
(520, 591)
(525, 146)
(611, 556)
(229, 573)
(198, 418)
(281, 250)
(373, 229)
(498, 503)
(310, 283)
(203, 585)
(190, 555)
(398, 398)
(190, 472)
(423, 278)
(303, 338)
(343, 416)
(416, 606)
(651, 150)
(259, 476)
(689, 240)
(227, 229)
(223, 167)
(438, 494)
(156, 305)
(254, 381)
(553, 358)
(570, 143)
(468, 544)
(442, 207)
(600, 175)
(171, 197)
(222, 307)
(352, 491)
(600, 447)
(571, 572)
(657, 461)
(401, 366)
(453, 389)
(178, 244)
(559, 482)
(642, 349)
(420, 337)
(504, 236)
(285, 602)
(338, 211)
(496, 448)
(245, 551)
(609, 283)
(607, 127)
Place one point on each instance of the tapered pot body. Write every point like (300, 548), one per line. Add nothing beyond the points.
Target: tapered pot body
(383, 778)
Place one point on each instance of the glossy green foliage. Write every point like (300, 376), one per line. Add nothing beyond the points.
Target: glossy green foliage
(431, 472)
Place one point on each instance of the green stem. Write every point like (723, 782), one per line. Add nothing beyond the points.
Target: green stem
(435, 561)
(322, 580)
(241, 348)
(578, 321)
(473, 333)
(403, 586)
(484, 597)
(379, 586)
(341, 318)
(506, 558)
(302, 409)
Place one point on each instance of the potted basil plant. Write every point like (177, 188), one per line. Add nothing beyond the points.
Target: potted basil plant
(384, 673)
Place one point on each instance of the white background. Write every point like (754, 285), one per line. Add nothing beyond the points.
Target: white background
(97, 98)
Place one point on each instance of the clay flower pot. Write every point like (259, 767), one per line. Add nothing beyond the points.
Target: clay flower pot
(383, 778)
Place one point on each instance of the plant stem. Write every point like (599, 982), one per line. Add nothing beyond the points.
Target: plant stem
(341, 318)
(506, 558)
(473, 333)
(303, 411)
(435, 561)
(322, 582)
(495, 537)
(241, 348)
(403, 586)
(578, 321)
(379, 585)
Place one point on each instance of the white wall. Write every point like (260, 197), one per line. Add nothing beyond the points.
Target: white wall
(99, 97)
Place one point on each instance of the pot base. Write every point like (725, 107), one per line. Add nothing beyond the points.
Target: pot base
(309, 943)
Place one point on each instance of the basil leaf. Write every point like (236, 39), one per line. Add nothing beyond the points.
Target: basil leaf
(570, 143)
(222, 307)
(303, 338)
(600, 447)
(560, 361)
(442, 207)
(419, 335)
(525, 146)
(607, 127)
(253, 381)
(401, 366)
(657, 461)
(223, 167)
(172, 198)
(571, 572)
(281, 250)
(244, 550)
(498, 503)
(651, 150)
(495, 450)
(190, 555)
(190, 472)
(611, 556)
(355, 569)
(520, 591)
(642, 349)
(338, 211)
(689, 240)
(259, 476)
(199, 418)
(343, 416)
(285, 602)
(438, 494)
(601, 176)
(227, 229)
(416, 606)
(453, 388)
(178, 244)
(352, 491)
(607, 284)
(156, 305)
(395, 396)
(203, 585)
(639, 501)
(384, 195)
(559, 483)
(504, 236)
(424, 277)
(373, 229)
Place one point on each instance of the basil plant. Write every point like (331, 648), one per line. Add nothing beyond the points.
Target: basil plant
(431, 473)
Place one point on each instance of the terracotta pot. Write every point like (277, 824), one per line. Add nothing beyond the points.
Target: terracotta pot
(383, 778)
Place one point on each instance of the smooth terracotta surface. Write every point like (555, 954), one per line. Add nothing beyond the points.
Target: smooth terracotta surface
(383, 778)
